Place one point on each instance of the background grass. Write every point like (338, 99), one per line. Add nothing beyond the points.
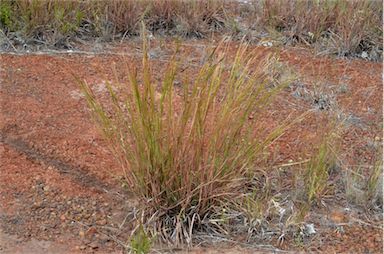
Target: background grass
(338, 27)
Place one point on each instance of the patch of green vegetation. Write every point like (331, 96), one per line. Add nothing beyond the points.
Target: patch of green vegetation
(317, 171)
(375, 184)
(364, 189)
(141, 241)
(6, 14)
(66, 21)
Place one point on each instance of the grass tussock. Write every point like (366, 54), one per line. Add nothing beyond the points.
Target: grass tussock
(320, 165)
(364, 189)
(374, 192)
(186, 155)
(140, 242)
(345, 28)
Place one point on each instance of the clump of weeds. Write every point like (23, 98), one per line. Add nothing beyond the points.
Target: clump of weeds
(140, 241)
(188, 156)
(363, 189)
(320, 165)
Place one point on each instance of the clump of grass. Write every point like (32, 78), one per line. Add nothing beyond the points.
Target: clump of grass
(365, 191)
(199, 18)
(161, 15)
(318, 168)
(363, 183)
(374, 192)
(140, 242)
(354, 186)
(345, 28)
(186, 18)
(6, 14)
(48, 16)
(184, 162)
(125, 15)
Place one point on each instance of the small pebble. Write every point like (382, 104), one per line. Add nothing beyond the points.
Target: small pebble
(91, 231)
(102, 222)
(94, 245)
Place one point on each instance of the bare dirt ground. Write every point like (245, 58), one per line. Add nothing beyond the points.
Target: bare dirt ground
(61, 191)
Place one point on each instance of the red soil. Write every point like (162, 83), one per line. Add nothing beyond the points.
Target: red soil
(57, 174)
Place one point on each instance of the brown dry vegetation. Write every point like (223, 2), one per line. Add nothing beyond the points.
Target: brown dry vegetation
(343, 28)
